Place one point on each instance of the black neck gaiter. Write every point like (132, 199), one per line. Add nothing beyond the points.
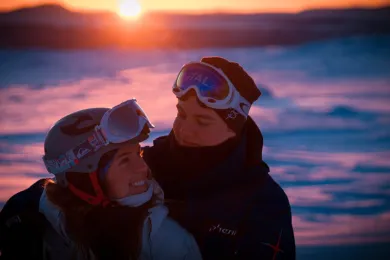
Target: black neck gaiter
(193, 161)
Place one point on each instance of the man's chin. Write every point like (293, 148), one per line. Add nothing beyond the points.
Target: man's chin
(185, 143)
(188, 144)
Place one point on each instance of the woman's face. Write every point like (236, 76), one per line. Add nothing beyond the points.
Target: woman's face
(199, 126)
(128, 173)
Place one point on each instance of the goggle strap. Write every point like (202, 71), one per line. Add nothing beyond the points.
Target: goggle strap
(100, 136)
(96, 186)
(99, 199)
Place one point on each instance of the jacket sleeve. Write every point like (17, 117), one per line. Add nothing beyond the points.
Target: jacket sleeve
(269, 233)
(21, 225)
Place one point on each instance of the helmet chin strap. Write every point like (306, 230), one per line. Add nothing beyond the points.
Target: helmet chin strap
(137, 200)
(99, 199)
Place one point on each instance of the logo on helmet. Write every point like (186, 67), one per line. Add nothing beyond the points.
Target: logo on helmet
(74, 130)
(82, 152)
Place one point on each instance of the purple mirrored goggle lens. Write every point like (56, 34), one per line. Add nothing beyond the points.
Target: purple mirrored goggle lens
(209, 83)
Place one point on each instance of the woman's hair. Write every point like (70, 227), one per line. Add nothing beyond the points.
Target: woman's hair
(113, 232)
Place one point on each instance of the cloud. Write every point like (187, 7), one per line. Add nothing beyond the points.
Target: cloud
(287, 95)
(361, 94)
(264, 116)
(320, 197)
(45, 106)
(332, 88)
(41, 68)
(330, 178)
(265, 91)
(315, 121)
(377, 104)
(10, 185)
(304, 196)
(279, 119)
(14, 152)
(18, 168)
(344, 159)
(342, 229)
(332, 182)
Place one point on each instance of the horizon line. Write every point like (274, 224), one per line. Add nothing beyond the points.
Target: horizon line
(200, 12)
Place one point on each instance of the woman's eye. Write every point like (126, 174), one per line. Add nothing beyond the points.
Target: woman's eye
(124, 161)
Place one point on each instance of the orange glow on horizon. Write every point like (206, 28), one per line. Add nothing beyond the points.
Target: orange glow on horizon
(199, 6)
(129, 9)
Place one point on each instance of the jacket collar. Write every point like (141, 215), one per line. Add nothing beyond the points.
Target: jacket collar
(236, 167)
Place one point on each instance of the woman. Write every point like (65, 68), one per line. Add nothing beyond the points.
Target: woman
(103, 203)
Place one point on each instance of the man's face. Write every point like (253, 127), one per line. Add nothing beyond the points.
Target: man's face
(197, 126)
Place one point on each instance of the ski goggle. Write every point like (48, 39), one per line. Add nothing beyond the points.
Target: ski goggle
(212, 86)
(118, 125)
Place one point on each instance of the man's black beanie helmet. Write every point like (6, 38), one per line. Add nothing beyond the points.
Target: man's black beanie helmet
(244, 84)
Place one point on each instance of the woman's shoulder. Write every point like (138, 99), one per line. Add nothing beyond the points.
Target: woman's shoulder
(173, 241)
(164, 226)
(172, 228)
(167, 235)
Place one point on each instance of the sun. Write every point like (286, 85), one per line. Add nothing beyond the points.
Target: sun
(129, 9)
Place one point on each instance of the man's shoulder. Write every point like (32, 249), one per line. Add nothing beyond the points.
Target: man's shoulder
(155, 145)
(29, 196)
(20, 218)
(269, 224)
(271, 194)
(157, 141)
(23, 206)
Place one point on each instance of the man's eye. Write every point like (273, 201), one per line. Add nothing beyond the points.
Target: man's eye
(201, 123)
(180, 114)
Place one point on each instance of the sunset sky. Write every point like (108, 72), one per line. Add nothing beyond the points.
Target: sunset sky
(200, 5)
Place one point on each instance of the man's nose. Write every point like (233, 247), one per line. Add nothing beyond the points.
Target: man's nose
(187, 131)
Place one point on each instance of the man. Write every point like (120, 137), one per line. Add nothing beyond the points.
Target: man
(211, 169)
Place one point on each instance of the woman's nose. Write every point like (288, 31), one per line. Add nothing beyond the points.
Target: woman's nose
(141, 167)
